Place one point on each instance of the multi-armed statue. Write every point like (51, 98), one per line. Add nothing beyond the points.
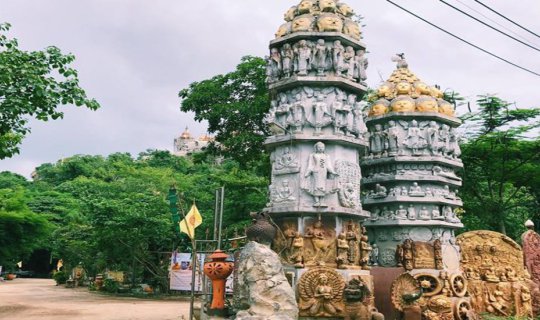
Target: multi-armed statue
(316, 72)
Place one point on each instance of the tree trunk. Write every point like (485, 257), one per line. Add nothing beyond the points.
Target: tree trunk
(502, 226)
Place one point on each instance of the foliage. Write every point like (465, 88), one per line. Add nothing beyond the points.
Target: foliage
(21, 231)
(111, 285)
(60, 277)
(113, 212)
(502, 162)
(234, 105)
(33, 84)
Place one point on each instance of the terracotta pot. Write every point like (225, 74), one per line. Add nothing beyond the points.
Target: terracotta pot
(99, 281)
(11, 276)
(218, 270)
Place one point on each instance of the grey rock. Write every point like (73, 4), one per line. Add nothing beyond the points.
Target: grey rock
(262, 291)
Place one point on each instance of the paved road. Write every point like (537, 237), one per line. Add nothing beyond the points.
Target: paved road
(32, 299)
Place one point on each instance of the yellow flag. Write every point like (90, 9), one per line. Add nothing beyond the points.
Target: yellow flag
(193, 220)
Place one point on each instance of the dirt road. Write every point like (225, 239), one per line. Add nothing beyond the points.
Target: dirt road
(32, 299)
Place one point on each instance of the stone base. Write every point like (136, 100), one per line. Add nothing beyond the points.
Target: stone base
(383, 278)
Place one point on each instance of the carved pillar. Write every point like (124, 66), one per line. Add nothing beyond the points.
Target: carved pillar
(316, 73)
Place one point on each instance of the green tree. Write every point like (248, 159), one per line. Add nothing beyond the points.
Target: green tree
(33, 84)
(234, 105)
(500, 154)
(21, 231)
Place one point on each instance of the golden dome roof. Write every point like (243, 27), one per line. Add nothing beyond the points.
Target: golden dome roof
(186, 134)
(405, 92)
(320, 16)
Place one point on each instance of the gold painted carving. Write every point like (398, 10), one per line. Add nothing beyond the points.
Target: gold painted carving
(406, 292)
(321, 293)
(497, 282)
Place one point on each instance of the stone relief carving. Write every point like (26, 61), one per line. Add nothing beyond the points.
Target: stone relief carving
(318, 175)
(285, 163)
(316, 58)
(316, 108)
(413, 169)
(348, 183)
(282, 191)
(497, 281)
(424, 138)
(320, 291)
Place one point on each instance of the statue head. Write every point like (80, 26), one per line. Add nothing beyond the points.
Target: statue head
(345, 9)
(352, 29)
(323, 279)
(378, 127)
(379, 107)
(319, 147)
(274, 51)
(284, 30)
(285, 183)
(321, 42)
(283, 98)
(302, 23)
(306, 6)
(329, 22)
(421, 88)
(403, 104)
(427, 104)
(446, 108)
(403, 87)
(327, 5)
(385, 90)
(289, 15)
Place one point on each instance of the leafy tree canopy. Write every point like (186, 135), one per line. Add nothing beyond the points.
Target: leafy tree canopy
(501, 155)
(234, 105)
(33, 84)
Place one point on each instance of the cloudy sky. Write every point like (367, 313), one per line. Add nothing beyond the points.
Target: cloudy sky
(134, 56)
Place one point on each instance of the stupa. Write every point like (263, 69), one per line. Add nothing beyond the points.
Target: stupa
(316, 73)
(410, 187)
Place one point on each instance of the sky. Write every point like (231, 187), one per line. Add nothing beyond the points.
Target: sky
(133, 56)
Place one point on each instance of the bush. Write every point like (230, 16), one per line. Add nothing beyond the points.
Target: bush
(60, 277)
(111, 285)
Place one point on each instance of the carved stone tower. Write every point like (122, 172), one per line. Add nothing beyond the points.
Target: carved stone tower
(316, 73)
(410, 181)
(411, 187)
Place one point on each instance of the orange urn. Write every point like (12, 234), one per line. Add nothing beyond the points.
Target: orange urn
(218, 270)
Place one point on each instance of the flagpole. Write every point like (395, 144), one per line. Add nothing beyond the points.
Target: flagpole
(194, 260)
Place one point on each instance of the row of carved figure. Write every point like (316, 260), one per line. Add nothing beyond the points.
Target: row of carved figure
(503, 298)
(325, 22)
(411, 212)
(414, 138)
(412, 170)
(316, 58)
(408, 104)
(350, 249)
(343, 113)
(381, 192)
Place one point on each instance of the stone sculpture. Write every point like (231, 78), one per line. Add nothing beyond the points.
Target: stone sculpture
(321, 293)
(318, 170)
(531, 251)
(320, 57)
(495, 274)
(329, 22)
